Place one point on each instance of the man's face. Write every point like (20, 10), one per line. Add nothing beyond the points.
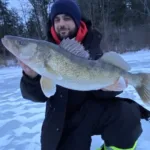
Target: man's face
(64, 26)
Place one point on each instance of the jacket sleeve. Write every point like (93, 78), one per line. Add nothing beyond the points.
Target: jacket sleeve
(31, 89)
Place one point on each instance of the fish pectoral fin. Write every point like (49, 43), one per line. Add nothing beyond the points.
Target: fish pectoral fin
(119, 85)
(48, 86)
(115, 59)
(74, 47)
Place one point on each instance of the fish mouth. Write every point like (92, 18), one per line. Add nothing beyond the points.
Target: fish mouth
(5, 42)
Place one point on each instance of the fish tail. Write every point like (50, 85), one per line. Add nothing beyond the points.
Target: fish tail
(143, 88)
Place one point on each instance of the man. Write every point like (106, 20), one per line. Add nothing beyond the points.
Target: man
(72, 117)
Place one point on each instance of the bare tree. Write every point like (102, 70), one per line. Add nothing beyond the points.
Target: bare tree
(40, 9)
(146, 6)
(24, 8)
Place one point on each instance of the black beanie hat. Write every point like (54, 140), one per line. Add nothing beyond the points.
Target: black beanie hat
(68, 7)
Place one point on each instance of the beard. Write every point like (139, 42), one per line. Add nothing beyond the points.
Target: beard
(71, 34)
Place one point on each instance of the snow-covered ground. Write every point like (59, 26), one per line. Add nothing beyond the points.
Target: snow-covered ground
(21, 120)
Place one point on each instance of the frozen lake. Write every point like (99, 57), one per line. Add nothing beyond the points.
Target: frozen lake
(21, 120)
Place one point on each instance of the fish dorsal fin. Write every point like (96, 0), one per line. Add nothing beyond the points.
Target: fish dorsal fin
(115, 59)
(74, 47)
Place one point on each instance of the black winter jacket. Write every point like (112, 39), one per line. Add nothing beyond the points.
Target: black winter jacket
(65, 102)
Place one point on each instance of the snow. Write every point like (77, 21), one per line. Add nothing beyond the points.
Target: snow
(21, 120)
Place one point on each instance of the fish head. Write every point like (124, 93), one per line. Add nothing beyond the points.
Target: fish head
(23, 48)
(34, 53)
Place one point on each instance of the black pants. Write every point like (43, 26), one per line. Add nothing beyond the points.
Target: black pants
(117, 121)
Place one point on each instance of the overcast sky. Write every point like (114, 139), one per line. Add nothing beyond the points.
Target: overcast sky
(14, 3)
(21, 6)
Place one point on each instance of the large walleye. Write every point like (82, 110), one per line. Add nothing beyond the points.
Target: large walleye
(69, 65)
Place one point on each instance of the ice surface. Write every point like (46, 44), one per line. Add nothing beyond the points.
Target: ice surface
(21, 120)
